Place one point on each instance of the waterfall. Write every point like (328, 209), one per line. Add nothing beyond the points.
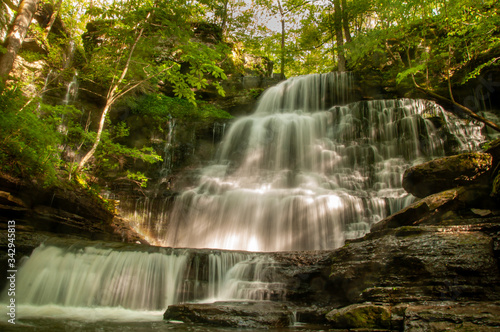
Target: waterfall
(168, 150)
(71, 90)
(310, 169)
(89, 274)
(100, 277)
(218, 131)
(69, 97)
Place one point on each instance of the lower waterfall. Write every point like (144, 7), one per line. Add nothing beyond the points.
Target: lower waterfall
(76, 280)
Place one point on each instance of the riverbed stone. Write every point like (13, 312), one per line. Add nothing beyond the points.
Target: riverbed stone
(422, 210)
(365, 315)
(445, 173)
(258, 314)
(448, 316)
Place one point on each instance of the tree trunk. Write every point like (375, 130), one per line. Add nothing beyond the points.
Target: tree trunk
(53, 17)
(337, 22)
(15, 37)
(345, 22)
(282, 14)
(10, 4)
(97, 140)
(110, 99)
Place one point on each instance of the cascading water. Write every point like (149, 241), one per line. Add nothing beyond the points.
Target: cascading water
(303, 173)
(71, 90)
(62, 279)
(69, 97)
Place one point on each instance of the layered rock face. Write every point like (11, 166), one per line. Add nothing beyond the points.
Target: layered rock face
(434, 265)
(40, 214)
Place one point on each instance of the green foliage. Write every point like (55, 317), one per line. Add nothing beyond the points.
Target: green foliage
(31, 56)
(139, 178)
(29, 139)
(161, 108)
(430, 40)
(112, 156)
(410, 71)
(161, 53)
(255, 93)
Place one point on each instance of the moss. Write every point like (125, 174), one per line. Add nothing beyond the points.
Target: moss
(360, 316)
(495, 191)
(409, 231)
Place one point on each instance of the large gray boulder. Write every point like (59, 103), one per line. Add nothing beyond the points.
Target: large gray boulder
(232, 314)
(446, 173)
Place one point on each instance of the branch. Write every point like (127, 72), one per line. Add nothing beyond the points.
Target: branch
(396, 60)
(11, 5)
(53, 17)
(295, 7)
(450, 91)
(90, 91)
(452, 101)
(466, 110)
(127, 63)
(133, 86)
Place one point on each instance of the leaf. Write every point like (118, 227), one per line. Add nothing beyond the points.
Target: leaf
(410, 71)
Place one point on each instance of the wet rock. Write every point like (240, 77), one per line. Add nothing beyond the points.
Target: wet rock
(422, 210)
(494, 150)
(368, 316)
(446, 173)
(409, 264)
(232, 314)
(41, 213)
(7, 199)
(481, 212)
(448, 316)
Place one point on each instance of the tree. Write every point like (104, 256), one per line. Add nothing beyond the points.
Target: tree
(111, 97)
(431, 46)
(149, 44)
(15, 37)
(287, 11)
(337, 24)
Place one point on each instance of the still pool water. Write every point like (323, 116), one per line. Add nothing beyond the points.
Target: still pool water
(52, 318)
(54, 325)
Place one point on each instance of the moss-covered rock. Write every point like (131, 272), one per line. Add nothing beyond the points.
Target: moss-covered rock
(495, 191)
(368, 316)
(422, 210)
(446, 173)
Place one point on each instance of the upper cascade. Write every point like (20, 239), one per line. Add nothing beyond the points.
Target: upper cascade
(309, 93)
(307, 171)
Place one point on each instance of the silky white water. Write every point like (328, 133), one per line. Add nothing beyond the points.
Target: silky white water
(58, 280)
(305, 173)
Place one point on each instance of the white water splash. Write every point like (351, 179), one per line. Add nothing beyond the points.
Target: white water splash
(91, 276)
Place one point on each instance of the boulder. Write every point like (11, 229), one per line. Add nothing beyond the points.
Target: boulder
(448, 316)
(232, 314)
(445, 173)
(364, 315)
(422, 210)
